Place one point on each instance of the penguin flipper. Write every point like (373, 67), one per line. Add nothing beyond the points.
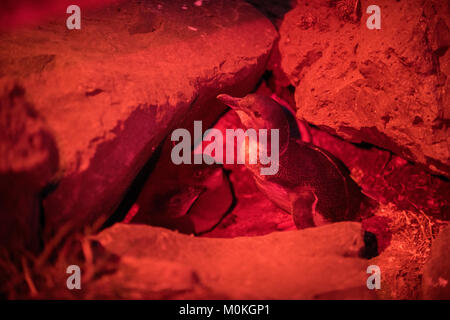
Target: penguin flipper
(303, 204)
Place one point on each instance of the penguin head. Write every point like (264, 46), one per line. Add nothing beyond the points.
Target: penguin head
(260, 112)
(245, 108)
(257, 111)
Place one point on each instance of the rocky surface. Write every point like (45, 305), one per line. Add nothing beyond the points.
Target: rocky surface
(389, 178)
(87, 109)
(404, 243)
(436, 276)
(24, 13)
(387, 87)
(273, 9)
(28, 161)
(113, 90)
(312, 263)
(189, 198)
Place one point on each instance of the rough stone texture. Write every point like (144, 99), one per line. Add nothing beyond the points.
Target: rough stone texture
(189, 198)
(436, 276)
(387, 87)
(149, 278)
(389, 178)
(273, 9)
(22, 13)
(28, 161)
(311, 263)
(113, 90)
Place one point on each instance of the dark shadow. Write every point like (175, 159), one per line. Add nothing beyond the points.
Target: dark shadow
(135, 188)
(273, 9)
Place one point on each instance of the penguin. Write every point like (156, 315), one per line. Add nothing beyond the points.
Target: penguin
(311, 184)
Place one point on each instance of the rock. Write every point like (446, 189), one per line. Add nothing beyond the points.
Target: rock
(273, 9)
(387, 87)
(22, 13)
(389, 178)
(436, 275)
(190, 198)
(113, 90)
(286, 265)
(379, 227)
(148, 278)
(29, 159)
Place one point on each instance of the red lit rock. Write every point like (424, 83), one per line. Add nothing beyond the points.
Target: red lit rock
(149, 278)
(28, 161)
(436, 276)
(273, 9)
(389, 178)
(22, 13)
(386, 87)
(190, 198)
(311, 263)
(379, 226)
(113, 90)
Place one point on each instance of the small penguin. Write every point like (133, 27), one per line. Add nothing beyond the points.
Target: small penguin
(311, 184)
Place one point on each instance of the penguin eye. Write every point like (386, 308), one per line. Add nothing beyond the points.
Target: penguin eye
(257, 114)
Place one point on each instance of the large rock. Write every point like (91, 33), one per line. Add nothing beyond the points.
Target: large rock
(189, 198)
(113, 90)
(436, 275)
(312, 263)
(389, 178)
(28, 161)
(387, 87)
(22, 13)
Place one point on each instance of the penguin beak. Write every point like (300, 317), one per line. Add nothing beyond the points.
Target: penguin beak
(230, 101)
